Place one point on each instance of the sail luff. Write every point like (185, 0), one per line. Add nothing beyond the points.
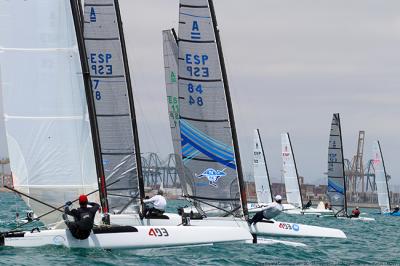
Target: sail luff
(344, 173)
(297, 173)
(384, 170)
(242, 186)
(131, 104)
(77, 14)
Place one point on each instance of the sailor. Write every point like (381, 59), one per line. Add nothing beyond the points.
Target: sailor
(83, 216)
(29, 216)
(155, 206)
(355, 213)
(396, 209)
(272, 210)
(307, 205)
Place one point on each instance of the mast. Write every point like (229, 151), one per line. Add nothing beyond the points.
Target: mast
(230, 112)
(78, 21)
(295, 167)
(131, 104)
(265, 162)
(344, 175)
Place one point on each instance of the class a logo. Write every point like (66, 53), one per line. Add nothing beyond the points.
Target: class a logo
(213, 176)
(173, 77)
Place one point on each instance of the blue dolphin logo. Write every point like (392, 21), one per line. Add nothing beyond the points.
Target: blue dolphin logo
(212, 175)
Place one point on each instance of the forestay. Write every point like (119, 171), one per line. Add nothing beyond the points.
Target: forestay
(170, 51)
(207, 144)
(290, 175)
(113, 103)
(261, 176)
(336, 178)
(381, 181)
(45, 112)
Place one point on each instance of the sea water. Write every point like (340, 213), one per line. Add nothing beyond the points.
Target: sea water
(367, 243)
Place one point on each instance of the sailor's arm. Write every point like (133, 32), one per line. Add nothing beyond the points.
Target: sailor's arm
(95, 207)
(152, 199)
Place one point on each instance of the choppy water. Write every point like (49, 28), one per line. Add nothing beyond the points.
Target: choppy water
(368, 243)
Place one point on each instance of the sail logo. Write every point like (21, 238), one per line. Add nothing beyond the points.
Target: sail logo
(173, 77)
(93, 15)
(195, 33)
(285, 152)
(376, 160)
(213, 176)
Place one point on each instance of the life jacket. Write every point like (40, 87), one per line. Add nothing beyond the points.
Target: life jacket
(85, 219)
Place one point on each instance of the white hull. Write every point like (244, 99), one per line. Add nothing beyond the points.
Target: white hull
(140, 237)
(289, 209)
(278, 228)
(272, 228)
(363, 219)
(310, 211)
(274, 241)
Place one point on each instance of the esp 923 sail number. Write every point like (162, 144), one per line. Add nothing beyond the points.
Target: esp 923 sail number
(158, 232)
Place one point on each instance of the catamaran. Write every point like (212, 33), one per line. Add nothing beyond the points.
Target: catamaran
(382, 186)
(293, 192)
(211, 175)
(336, 175)
(62, 142)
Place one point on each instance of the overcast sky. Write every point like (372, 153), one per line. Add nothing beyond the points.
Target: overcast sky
(291, 64)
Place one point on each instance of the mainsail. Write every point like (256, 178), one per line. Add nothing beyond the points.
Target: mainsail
(45, 111)
(336, 176)
(170, 51)
(261, 176)
(293, 192)
(381, 181)
(115, 114)
(209, 143)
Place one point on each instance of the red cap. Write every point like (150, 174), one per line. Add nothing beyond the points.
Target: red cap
(83, 199)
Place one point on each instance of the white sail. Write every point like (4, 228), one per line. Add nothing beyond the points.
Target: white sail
(114, 104)
(44, 102)
(170, 51)
(208, 149)
(261, 177)
(380, 177)
(293, 193)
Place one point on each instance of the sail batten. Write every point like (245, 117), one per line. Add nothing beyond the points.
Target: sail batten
(209, 150)
(336, 176)
(113, 102)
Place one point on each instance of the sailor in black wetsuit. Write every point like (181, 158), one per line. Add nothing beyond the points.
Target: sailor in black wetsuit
(83, 216)
(307, 205)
